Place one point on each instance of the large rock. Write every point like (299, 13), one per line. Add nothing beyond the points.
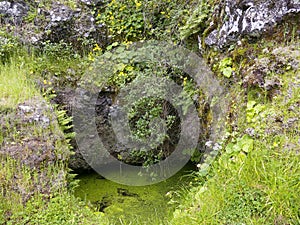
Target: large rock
(55, 22)
(250, 18)
(13, 12)
(82, 159)
(72, 25)
(94, 125)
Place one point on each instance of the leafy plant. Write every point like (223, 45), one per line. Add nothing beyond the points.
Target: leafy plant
(135, 20)
(243, 144)
(197, 21)
(225, 67)
(58, 51)
(253, 111)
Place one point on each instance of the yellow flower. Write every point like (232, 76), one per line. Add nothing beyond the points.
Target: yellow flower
(91, 57)
(128, 43)
(138, 4)
(163, 13)
(184, 81)
(45, 82)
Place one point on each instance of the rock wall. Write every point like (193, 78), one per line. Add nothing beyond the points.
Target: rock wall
(250, 18)
(103, 108)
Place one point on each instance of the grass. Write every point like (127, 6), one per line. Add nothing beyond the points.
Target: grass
(260, 188)
(34, 193)
(261, 185)
(15, 87)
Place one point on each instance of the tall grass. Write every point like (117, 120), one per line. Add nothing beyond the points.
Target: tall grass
(15, 87)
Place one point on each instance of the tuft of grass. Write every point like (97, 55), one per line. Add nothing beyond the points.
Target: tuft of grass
(15, 87)
(260, 188)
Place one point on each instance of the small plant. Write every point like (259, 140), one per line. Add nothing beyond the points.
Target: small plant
(244, 144)
(8, 47)
(58, 51)
(64, 121)
(225, 67)
(197, 22)
(254, 111)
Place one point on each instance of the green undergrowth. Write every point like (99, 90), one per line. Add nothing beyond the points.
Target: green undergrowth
(260, 188)
(22, 203)
(255, 178)
(35, 185)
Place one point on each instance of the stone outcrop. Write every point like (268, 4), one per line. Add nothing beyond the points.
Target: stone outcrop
(105, 132)
(32, 116)
(13, 12)
(250, 18)
(34, 23)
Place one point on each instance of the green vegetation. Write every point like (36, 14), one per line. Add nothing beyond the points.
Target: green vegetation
(135, 20)
(136, 67)
(132, 204)
(22, 203)
(33, 191)
(8, 46)
(255, 179)
(258, 188)
(15, 87)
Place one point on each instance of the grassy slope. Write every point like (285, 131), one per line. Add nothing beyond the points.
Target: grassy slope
(256, 181)
(33, 193)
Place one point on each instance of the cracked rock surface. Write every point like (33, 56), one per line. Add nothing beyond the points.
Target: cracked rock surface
(250, 18)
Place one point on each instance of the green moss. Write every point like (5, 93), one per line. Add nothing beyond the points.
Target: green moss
(144, 205)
